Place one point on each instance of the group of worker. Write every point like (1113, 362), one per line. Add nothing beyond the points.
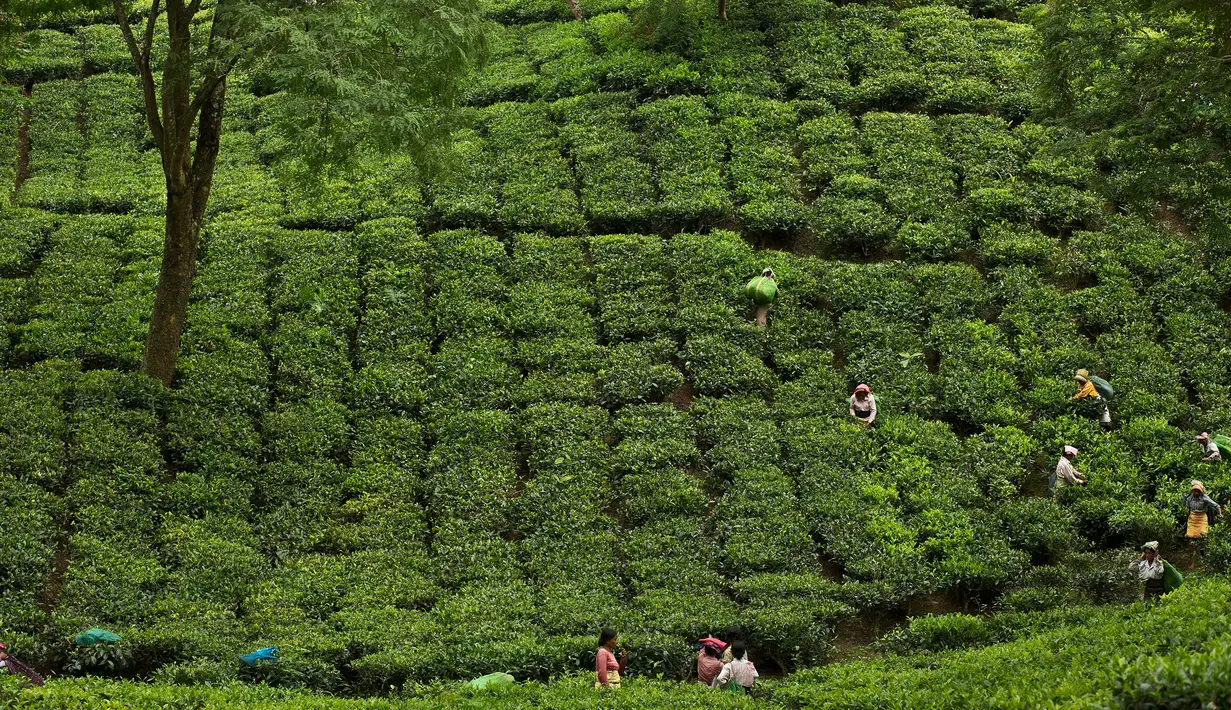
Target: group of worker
(721, 664)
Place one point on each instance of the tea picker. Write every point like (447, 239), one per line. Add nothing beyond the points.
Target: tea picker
(763, 291)
(1199, 505)
(1096, 387)
(8, 664)
(1156, 575)
(1211, 447)
(1065, 474)
(863, 405)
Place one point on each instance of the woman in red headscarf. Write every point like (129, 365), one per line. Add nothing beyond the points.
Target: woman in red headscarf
(709, 660)
(863, 405)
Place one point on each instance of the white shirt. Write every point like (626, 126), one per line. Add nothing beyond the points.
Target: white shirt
(1147, 570)
(1211, 451)
(867, 405)
(1065, 473)
(740, 670)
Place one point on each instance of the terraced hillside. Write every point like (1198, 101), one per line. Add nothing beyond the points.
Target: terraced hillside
(433, 429)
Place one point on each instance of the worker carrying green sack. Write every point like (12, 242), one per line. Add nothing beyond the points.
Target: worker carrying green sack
(491, 681)
(1151, 571)
(1211, 446)
(1096, 387)
(763, 292)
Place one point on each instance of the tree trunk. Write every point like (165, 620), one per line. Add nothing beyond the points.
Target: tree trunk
(179, 263)
(189, 175)
(574, 6)
(722, 10)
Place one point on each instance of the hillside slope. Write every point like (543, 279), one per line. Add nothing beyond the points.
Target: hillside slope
(432, 430)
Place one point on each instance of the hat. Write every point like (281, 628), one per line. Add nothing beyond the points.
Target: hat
(1198, 485)
(1082, 372)
(1203, 436)
(1151, 545)
(767, 272)
(718, 644)
(864, 388)
(1070, 450)
(3, 647)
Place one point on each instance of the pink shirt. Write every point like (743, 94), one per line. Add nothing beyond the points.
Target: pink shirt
(708, 668)
(604, 664)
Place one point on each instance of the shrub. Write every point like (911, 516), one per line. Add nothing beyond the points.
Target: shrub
(43, 55)
(687, 153)
(536, 191)
(855, 223)
(938, 633)
(616, 191)
(1037, 526)
(638, 372)
(718, 367)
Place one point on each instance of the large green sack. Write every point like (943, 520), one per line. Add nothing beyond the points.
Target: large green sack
(1172, 579)
(1105, 390)
(95, 636)
(1224, 443)
(491, 680)
(762, 290)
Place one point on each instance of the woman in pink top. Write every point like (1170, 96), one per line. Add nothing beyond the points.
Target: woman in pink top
(606, 668)
(709, 660)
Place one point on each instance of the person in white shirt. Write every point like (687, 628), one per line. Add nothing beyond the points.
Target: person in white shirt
(1209, 450)
(863, 405)
(1149, 568)
(1065, 474)
(739, 673)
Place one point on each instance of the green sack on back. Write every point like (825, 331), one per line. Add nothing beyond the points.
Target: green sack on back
(491, 680)
(762, 290)
(96, 636)
(1104, 388)
(1224, 443)
(1172, 579)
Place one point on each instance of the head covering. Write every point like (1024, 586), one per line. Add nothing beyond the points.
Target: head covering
(864, 388)
(1070, 450)
(1203, 436)
(718, 644)
(3, 647)
(1082, 372)
(1198, 485)
(1151, 545)
(767, 272)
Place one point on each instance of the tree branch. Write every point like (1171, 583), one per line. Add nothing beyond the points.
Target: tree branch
(207, 89)
(126, 29)
(148, 44)
(141, 61)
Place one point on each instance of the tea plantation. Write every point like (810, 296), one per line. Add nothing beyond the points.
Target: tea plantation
(424, 429)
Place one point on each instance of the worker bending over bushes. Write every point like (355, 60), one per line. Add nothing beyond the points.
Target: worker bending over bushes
(1209, 447)
(8, 664)
(863, 405)
(1098, 388)
(1065, 474)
